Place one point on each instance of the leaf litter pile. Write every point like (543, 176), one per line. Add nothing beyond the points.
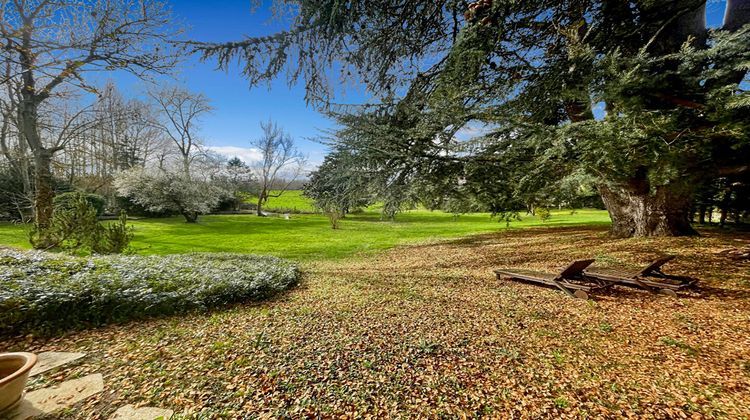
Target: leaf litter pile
(428, 331)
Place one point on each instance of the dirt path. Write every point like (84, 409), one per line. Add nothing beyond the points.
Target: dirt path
(429, 331)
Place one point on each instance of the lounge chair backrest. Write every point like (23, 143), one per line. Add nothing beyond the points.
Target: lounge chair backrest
(575, 268)
(657, 264)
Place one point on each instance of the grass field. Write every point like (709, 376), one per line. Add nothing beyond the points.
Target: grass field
(309, 236)
(290, 201)
(13, 235)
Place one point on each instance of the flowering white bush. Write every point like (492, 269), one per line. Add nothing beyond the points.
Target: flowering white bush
(46, 292)
(160, 191)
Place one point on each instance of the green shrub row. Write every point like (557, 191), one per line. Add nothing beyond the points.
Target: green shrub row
(48, 293)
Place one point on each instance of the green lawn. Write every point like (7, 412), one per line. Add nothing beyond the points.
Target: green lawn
(309, 236)
(290, 201)
(14, 235)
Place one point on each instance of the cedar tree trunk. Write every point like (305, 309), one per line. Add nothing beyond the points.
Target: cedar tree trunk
(637, 209)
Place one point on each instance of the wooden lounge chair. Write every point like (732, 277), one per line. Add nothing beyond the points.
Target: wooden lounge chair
(572, 280)
(650, 278)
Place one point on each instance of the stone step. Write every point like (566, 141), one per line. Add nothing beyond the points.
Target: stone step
(64, 395)
(50, 360)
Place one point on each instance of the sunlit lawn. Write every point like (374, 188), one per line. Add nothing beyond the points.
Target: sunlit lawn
(288, 201)
(309, 236)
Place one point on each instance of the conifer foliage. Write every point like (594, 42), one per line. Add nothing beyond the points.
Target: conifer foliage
(638, 101)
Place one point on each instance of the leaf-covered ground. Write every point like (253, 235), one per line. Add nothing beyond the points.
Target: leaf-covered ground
(429, 331)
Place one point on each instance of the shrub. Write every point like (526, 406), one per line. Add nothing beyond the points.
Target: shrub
(49, 293)
(15, 202)
(543, 213)
(160, 191)
(334, 217)
(134, 209)
(68, 201)
(290, 210)
(76, 228)
(115, 236)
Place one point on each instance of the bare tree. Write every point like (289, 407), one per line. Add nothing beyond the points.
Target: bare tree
(52, 44)
(130, 129)
(16, 163)
(15, 152)
(181, 111)
(280, 164)
(121, 134)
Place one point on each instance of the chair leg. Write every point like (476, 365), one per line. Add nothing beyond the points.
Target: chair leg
(644, 285)
(560, 286)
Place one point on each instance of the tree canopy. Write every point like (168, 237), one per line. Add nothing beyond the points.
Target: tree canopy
(50, 47)
(639, 100)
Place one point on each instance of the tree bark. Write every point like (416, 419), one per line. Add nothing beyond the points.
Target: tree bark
(259, 209)
(726, 200)
(190, 216)
(43, 185)
(186, 165)
(736, 14)
(723, 217)
(636, 209)
(43, 180)
(28, 119)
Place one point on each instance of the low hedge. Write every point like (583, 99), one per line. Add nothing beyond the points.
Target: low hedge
(49, 293)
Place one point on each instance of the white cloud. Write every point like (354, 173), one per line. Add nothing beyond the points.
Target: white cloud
(247, 154)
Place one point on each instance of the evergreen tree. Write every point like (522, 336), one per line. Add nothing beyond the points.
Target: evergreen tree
(670, 91)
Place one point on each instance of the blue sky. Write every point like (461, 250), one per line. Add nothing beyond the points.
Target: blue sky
(239, 109)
